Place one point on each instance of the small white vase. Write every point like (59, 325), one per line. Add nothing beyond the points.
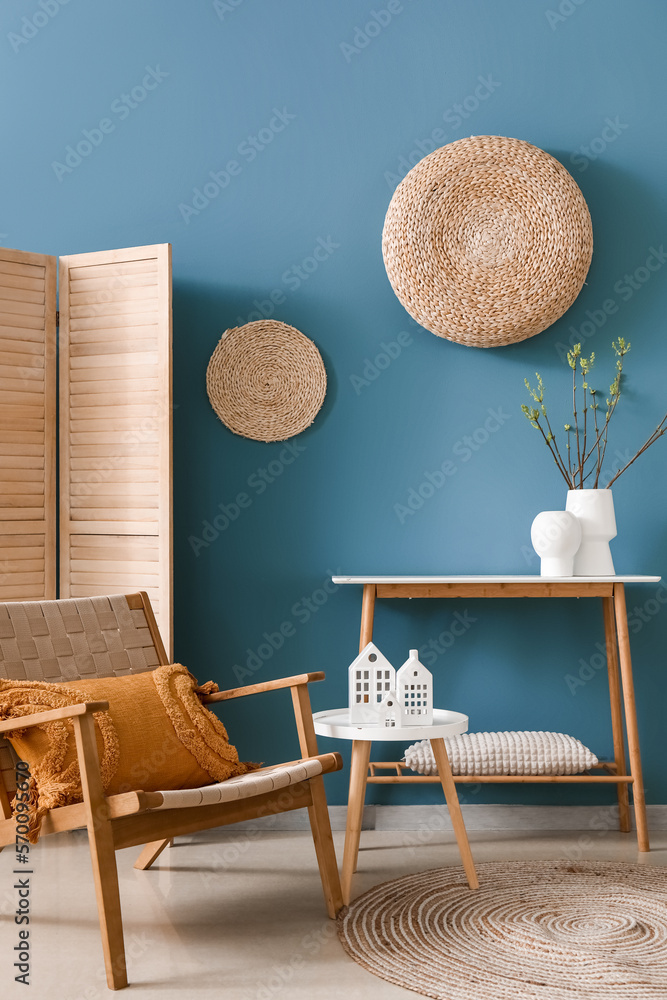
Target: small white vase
(594, 509)
(556, 535)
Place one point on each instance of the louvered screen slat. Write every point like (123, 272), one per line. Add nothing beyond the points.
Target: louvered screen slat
(27, 426)
(115, 432)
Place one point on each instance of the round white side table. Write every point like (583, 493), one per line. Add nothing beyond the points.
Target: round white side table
(336, 723)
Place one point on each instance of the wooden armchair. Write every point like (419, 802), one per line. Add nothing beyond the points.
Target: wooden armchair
(100, 636)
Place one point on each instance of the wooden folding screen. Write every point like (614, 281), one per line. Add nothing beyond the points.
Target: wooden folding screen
(115, 425)
(115, 406)
(27, 426)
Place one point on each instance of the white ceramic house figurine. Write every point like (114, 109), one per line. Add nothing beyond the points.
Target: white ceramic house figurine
(390, 711)
(414, 684)
(371, 678)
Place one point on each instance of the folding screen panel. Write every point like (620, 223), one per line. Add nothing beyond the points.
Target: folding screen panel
(27, 426)
(115, 426)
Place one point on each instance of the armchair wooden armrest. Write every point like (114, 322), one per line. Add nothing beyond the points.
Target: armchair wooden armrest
(300, 701)
(74, 712)
(52, 715)
(281, 682)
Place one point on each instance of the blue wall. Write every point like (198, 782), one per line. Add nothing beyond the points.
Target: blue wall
(346, 115)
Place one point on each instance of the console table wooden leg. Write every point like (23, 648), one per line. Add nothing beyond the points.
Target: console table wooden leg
(452, 799)
(367, 615)
(361, 755)
(616, 712)
(631, 717)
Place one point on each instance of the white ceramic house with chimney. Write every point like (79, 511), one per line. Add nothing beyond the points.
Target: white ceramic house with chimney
(371, 678)
(414, 686)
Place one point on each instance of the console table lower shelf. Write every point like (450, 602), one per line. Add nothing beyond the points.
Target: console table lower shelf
(337, 724)
(404, 776)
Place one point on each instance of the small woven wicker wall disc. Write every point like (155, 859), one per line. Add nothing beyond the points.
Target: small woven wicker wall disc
(487, 241)
(266, 381)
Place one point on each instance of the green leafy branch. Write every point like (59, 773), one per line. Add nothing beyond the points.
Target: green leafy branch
(584, 459)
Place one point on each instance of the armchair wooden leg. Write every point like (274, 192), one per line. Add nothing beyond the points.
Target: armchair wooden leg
(102, 854)
(320, 826)
(318, 812)
(151, 853)
(5, 807)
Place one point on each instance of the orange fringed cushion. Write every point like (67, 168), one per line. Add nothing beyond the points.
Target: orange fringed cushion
(155, 736)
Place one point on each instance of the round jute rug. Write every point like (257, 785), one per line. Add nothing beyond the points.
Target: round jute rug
(532, 931)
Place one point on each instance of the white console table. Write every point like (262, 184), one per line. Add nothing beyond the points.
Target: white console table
(611, 589)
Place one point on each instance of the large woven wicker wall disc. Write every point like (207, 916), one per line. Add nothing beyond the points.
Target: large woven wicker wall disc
(266, 380)
(487, 241)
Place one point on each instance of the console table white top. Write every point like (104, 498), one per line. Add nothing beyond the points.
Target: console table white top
(619, 578)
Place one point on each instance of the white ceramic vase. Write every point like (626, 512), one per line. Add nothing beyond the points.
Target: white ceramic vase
(556, 535)
(594, 509)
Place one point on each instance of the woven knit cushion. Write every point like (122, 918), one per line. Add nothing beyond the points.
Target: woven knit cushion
(505, 753)
(156, 735)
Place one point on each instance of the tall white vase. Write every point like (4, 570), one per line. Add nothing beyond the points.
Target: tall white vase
(594, 510)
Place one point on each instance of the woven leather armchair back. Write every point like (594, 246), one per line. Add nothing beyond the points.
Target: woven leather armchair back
(74, 639)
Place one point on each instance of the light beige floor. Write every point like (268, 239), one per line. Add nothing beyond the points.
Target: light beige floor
(237, 916)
